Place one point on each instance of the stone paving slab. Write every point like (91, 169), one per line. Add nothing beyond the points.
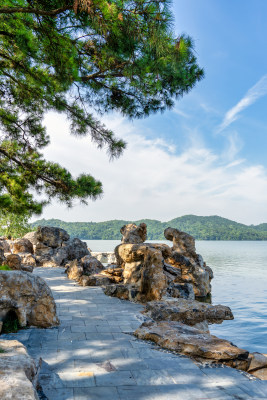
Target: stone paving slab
(93, 355)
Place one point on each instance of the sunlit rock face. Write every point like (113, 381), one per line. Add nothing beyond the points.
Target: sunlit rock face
(29, 297)
(132, 233)
(17, 371)
(142, 267)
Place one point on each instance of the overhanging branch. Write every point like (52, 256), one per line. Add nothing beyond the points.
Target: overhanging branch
(29, 10)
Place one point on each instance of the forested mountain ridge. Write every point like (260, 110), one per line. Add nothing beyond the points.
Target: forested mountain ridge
(202, 228)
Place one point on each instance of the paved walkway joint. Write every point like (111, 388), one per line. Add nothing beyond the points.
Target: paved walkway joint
(93, 354)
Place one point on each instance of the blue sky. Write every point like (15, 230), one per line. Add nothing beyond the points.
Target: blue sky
(230, 43)
(206, 156)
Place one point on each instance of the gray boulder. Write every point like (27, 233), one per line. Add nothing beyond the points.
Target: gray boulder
(51, 237)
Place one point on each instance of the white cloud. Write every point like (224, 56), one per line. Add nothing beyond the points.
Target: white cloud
(151, 180)
(253, 94)
(180, 112)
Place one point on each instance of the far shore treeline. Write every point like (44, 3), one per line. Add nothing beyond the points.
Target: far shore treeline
(202, 228)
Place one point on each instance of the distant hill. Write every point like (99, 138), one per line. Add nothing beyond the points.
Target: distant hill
(202, 228)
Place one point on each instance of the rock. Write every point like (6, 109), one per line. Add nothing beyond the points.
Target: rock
(132, 233)
(74, 270)
(164, 248)
(184, 258)
(2, 257)
(125, 292)
(22, 246)
(29, 297)
(91, 265)
(153, 280)
(60, 256)
(51, 236)
(143, 266)
(43, 253)
(181, 290)
(183, 243)
(18, 372)
(76, 249)
(189, 341)
(4, 244)
(114, 273)
(194, 271)
(86, 266)
(95, 280)
(175, 272)
(189, 312)
(238, 364)
(107, 257)
(14, 261)
(258, 361)
(260, 374)
(32, 237)
(27, 259)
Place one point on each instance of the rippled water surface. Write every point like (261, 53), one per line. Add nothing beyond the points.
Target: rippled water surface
(240, 282)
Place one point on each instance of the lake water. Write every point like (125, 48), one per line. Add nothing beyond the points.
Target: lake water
(240, 282)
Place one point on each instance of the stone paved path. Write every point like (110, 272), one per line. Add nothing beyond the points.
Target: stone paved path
(92, 354)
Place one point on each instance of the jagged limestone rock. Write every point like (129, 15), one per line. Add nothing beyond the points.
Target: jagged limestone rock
(143, 266)
(132, 233)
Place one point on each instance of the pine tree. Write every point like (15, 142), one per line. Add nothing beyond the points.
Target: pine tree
(73, 57)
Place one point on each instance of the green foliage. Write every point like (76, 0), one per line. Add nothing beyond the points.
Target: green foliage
(14, 225)
(2, 350)
(202, 228)
(11, 323)
(5, 268)
(76, 57)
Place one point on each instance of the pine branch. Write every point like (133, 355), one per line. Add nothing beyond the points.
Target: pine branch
(36, 11)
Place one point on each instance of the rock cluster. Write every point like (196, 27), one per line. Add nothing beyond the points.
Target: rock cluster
(169, 280)
(29, 297)
(18, 372)
(48, 247)
(87, 271)
(53, 246)
(151, 271)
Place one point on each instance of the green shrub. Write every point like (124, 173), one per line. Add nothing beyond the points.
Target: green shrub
(5, 268)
